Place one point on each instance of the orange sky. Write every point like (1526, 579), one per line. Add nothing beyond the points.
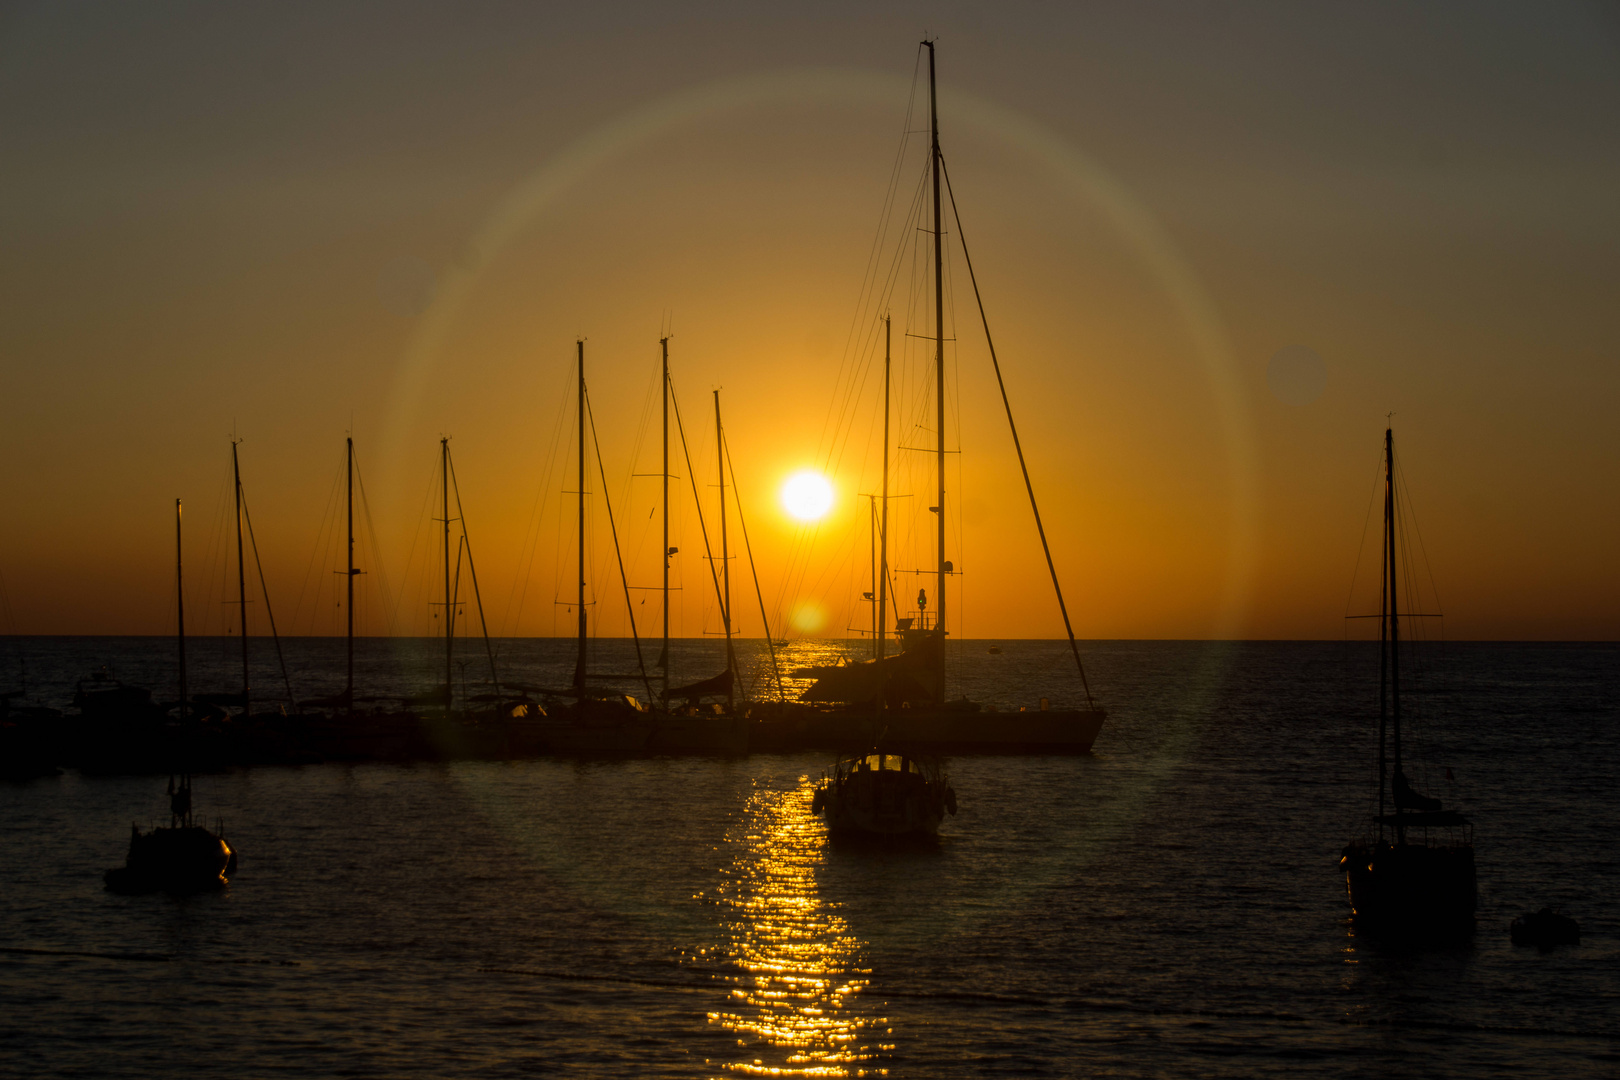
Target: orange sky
(212, 220)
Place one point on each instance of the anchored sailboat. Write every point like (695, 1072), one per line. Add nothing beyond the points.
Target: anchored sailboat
(689, 728)
(906, 695)
(1413, 870)
(594, 722)
(185, 856)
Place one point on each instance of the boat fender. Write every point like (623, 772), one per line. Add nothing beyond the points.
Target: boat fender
(950, 800)
(819, 801)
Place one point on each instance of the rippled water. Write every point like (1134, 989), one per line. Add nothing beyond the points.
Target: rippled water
(1169, 905)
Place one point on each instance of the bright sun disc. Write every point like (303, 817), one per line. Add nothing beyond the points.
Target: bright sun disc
(807, 495)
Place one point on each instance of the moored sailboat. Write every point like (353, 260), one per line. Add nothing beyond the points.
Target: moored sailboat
(1412, 871)
(185, 856)
(905, 696)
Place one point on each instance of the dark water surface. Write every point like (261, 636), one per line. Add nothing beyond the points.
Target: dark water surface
(1168, 906)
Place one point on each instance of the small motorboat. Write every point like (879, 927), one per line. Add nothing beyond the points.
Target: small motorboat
(181, 859)
(885, 795)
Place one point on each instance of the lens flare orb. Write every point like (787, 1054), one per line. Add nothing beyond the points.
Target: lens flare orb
(807, 495)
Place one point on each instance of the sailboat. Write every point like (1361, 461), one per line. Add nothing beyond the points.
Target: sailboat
(690, 727)
(246, 541)
(904, 696)
(1413, 869)
(184, 857)
(593, 722)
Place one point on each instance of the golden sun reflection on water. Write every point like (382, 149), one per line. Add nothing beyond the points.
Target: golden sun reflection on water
(795, 1009)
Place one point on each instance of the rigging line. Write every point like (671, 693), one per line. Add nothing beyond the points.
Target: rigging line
(271, 615)
(472, 570)
(210, 558)
(1017, 445)
(691, 474)
(390, 608)
(530, 547)
(320, 533)
(424, 514)
(881, 295)
(731, 467)
(1366, 523)
(885, 215)
(831, 449)
(637, 540)
(629, 607)
(1428, 567)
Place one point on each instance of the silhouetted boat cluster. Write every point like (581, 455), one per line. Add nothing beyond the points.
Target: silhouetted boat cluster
(888, 717)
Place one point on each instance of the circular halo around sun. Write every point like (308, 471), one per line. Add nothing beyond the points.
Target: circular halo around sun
(807, 495)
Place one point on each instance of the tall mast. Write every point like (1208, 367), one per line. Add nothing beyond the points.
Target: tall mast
(1383, 655)
(180, 607)
(872, 534)
(348, 693)
(1394, 612)
(663, 654)
(241, 579)
(939, 376)
(725, 555)
(579, 663)
(449, 602)
(883, 528)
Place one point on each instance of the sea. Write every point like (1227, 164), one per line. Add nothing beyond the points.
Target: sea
(1170, 904)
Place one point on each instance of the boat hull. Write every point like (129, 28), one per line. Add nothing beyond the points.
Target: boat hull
(678, 734)
(182, 861)
(877, 809)
(1411, 887)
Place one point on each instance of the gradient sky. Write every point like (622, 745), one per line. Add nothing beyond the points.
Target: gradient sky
(221, 218)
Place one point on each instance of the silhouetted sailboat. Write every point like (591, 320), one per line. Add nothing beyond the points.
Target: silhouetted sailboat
(1413, 870)
(593, 722)
(184, 857)
(905, 695)
(690, 727)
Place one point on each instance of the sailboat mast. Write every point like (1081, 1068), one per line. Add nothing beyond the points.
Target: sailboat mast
(663, 655)
(348, 693)
(579, 662)
(725, 555)
(1394, 612)
(241, 579)
(449, 603)
(872, 543)
(883, 520)
(939, 372)
(180, 609)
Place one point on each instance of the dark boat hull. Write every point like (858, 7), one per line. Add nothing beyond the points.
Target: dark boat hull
(182, 861)
(677, 734)
(889, 804)
(1414, 888)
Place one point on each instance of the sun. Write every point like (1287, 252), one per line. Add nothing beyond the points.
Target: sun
(807, 495)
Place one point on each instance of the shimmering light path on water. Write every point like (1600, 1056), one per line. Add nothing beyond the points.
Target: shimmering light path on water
(1167, 906)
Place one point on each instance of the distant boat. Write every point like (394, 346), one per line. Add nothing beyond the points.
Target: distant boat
(29, 735)
(184, 857)
(1413, 869)
(885, 795)
(905, 694)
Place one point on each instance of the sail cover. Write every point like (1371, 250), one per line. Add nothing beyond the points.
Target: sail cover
(718, 686)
